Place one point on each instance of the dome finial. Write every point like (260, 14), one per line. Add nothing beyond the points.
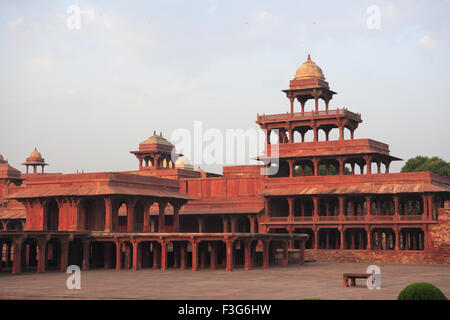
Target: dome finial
(309, 57)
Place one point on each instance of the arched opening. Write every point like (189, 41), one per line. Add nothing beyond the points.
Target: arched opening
(122, 217)
(329, 238)
(93, 214)
(53, 254)
(303, 207)
(355, 238)
(139, 211)
(279, 207)
(382, 239)
(188, 223)
(309, 243)
(29, 255)
(280, 168)
(243, 224)
(308, 136)
(52, 215)
(102, 255)
(303, 168)
(14, 225)
(75, 256)
(411, 239)
(213, 223)
(168, 217)
(127, 255)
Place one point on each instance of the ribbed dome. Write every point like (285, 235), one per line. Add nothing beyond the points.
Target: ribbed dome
(183, 163)
(309, 70)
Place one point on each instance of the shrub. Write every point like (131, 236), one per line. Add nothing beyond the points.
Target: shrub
(421, 291)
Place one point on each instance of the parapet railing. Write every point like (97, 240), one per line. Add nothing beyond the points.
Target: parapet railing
(309, 114)
(372, 217)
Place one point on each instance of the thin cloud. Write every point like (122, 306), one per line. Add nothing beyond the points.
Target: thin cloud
(426, 42)
(12, 24)
(41, 64)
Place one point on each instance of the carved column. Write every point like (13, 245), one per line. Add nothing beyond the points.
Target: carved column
(162, 223)
(194, 244)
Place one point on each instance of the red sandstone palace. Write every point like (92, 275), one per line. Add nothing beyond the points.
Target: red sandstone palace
(328, 201)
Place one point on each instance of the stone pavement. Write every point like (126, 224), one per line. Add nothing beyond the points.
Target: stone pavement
(312, 280)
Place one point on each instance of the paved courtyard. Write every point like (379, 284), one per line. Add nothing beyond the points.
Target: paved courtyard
(313, 280)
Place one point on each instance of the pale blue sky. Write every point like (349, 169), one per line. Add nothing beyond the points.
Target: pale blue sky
(86, 97)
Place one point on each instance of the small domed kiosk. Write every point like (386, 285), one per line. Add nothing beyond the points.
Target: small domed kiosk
(35, 160)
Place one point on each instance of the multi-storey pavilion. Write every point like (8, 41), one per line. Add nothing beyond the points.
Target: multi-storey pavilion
(336, 197)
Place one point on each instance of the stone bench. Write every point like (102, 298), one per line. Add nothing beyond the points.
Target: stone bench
(353, 277)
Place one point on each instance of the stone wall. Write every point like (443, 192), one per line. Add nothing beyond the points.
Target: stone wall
(439, 253)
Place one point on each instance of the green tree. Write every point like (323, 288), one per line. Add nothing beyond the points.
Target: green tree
(433, 164)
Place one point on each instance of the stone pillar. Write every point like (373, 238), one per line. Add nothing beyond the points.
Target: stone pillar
(108, 215)
(368, 207)
(64, 254)
(213, 255)
(316, 239)
(230, 254)
(292, 105)
(285, 260)
(162, 223)
(225, 224)
(147, 227)
(247, 254)
(369, 165)
(341, 166)
(86, 255)
(233, 222)
(194, 244)
(316, 208)
(176, 218)
(266, 244)
(183, 256)
(425, 207)
(291, 135)
(252, 219)
(41, 255)
(316, 167)
(17, 256)
(396, 217)
(291, 208)
(369, 239)
(163, 245)
(291, 168)
(130, 215)
(341, 207)
(135, 262)
(341, 133)
(118, 254)
(341, 233)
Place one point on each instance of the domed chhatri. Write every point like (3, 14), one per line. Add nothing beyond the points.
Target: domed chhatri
(36, 155)
(35, 160)
(309, 70)
(2, 159)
